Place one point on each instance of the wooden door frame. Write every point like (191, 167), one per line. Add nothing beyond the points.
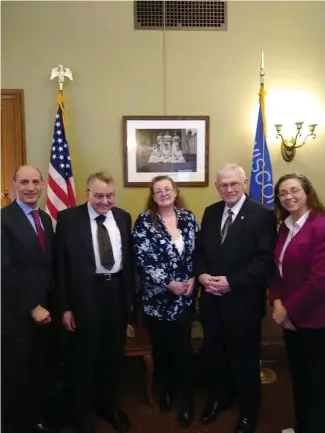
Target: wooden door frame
(19, 96)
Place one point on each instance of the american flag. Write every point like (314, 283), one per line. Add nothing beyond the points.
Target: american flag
(61, 189)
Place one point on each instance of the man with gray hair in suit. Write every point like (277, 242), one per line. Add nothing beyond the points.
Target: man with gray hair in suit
(234, 265)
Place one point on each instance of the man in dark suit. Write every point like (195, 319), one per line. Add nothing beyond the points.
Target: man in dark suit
(26, 265)
(96, 282)
(234, 265)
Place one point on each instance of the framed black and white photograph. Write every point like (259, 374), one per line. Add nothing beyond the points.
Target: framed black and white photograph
(157, 145)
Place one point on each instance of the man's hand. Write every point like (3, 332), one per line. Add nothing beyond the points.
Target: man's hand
(177, 287)
(68, 321)
(221, 285)
(189, 287)
(41, 315)
(211, 284)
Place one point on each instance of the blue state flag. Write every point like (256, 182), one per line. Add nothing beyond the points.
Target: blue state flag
(261, 180)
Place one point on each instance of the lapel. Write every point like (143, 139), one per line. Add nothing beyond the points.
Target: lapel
(282, 236)
(26, 232)
(294, 245)
(85, 231)
(121, 227)
(216, 221)
(169, 243)
(238, 225)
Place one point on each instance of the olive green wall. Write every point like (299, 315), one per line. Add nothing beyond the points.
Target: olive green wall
(119, 71)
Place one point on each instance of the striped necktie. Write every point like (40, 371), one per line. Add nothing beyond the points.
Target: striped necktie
(227, 224)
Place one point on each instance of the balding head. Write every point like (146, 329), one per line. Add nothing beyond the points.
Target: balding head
(28, 184)
(24, 169)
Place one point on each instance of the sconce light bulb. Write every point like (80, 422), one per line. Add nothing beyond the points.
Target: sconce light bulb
(312, 127)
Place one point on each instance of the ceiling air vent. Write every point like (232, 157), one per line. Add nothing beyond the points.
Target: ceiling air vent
(180, 15)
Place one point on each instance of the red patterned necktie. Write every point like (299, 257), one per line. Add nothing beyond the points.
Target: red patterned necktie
(39, 229)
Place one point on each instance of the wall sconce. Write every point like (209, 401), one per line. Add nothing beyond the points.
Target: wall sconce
(288, 147)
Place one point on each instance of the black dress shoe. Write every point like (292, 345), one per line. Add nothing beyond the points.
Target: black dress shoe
(212, 410)
(165, 401)
(118, 420)
(186, 413)
(85, 427)
(245, 425)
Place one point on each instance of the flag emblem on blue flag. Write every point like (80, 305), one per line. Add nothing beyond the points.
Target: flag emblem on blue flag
(261, 180)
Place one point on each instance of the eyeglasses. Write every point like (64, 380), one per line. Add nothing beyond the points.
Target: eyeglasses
(232, 185)
(98, 196)
(164, 191)
(293, 192)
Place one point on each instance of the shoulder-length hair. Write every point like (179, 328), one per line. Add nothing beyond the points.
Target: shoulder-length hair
(313, 202)
(152, 206)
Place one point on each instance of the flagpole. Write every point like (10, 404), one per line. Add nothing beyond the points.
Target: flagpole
(262, 73)
(61, 192)
(267, 375)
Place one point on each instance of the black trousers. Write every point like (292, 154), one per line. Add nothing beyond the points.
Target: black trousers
(97, 353)
(172, 351)
(231, 353)
(306, 356)
(26, 378)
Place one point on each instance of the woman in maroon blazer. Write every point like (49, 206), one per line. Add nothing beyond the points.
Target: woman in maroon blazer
(298, 295)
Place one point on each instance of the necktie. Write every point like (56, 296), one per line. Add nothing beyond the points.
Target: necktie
(39, 229)
(226, 226)
(104, 244)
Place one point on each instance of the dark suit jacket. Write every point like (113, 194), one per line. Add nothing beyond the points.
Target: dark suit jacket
(302, 287)
(26, 272)
(245, 257)
(75, 262)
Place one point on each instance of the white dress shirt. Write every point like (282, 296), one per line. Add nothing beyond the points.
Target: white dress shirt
(235, 210)
(294, 228)
(115, 237)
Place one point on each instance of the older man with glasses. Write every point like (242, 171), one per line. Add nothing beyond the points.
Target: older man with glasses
(234, 265)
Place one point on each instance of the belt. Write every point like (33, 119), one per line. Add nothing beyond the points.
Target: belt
(108, 277)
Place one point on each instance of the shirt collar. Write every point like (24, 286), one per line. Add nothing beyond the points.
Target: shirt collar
(93, 214)
(24, 207)
(236, 208)
(301, 221)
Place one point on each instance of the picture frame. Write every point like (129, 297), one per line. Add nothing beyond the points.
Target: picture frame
(177, 146)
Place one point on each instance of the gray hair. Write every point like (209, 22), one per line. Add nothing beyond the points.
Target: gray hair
(101, 175)
(232, 167)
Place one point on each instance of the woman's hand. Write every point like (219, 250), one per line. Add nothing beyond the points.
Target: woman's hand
(280, 316)
(279, 312)
(287, 324)
(177, 287)
(189, 286)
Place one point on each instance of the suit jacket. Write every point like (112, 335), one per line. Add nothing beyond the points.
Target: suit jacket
(245, 257)
(76, 266)
(26, 272)
(302, 286)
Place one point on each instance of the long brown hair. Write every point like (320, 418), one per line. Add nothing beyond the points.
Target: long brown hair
(313, 202)
(152, 206)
